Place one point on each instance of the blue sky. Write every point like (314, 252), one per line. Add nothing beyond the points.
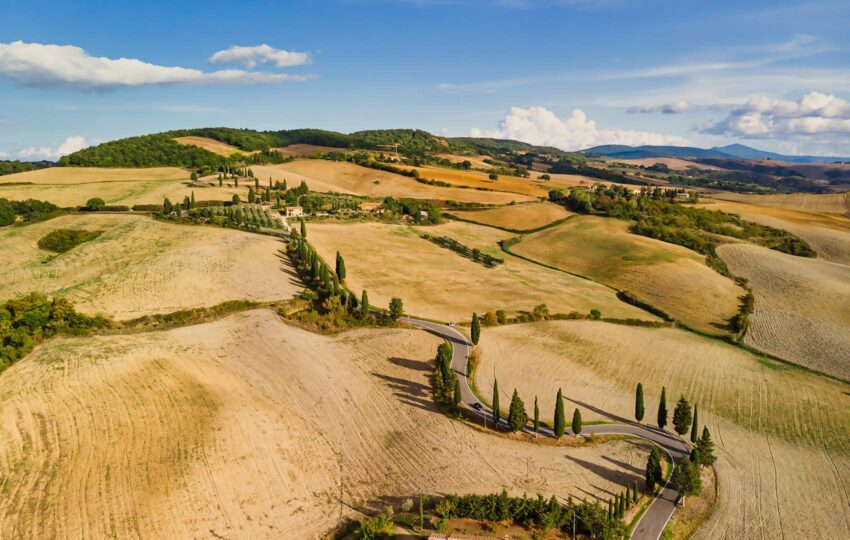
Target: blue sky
(572, 73)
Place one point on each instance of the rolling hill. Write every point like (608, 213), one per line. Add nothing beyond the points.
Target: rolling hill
(731, 151)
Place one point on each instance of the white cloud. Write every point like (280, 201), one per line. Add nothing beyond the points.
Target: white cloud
(3, 154)
(67, 66)
(540, 126)
(250, 56)
(666, 108)
(815, 115)
(71, 145)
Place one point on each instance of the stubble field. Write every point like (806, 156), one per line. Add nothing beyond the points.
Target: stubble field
(211, 145)
(391, 260)
(249, 428)
(139, 266)
(343, 177)
(781, 433)
(73, 186)
(802, 307)
(519, 217)
(669, 277)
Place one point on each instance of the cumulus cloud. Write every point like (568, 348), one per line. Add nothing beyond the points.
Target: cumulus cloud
(71, 145)
(540, 126)
(665, 108)
(263, 54)
(813, 115)
(67, 66)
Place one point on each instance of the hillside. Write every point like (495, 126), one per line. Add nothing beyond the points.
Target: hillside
(731, 151)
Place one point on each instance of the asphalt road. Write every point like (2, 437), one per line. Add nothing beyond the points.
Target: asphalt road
(659, 512)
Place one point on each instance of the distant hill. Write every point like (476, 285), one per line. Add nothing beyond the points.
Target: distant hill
(732, 151)
(11, 167)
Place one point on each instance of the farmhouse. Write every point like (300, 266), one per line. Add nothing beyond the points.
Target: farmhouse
(293, 211)
(371, 206)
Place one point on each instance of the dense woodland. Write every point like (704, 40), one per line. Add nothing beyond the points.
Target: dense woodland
(11, 167)
(29, 210)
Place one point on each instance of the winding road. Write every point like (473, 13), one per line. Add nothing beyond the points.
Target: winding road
(655, 518)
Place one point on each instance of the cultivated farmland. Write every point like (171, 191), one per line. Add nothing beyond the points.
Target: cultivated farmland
(73, 186)
(832, 203)
(802, 307)
(781, 433)
(139, 266)
(391, 260)
(669, 277)
(246, 427)
(520, 217)
(211, 145)
(343, 177)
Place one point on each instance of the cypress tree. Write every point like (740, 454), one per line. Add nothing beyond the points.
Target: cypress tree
(340, 266)
(610, 510)
(639, 402)
(634, 492)
(192, 201)
(682, 416)
(620, 507)
(536, 416)
(336, 285)
(167, 207)
(303, 229)
(256, 181)
(662, 409)
(706, 448)
(560, 419)
(457, 396)
(220, 181)
(653, 470)
(364, 305)
(577, 422)
(497, 415)
(694, 437)
(476, 329)
(251, 195)
(235, 182)
(517, 417)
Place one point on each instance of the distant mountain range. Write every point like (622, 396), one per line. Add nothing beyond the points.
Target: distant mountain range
(732, 151)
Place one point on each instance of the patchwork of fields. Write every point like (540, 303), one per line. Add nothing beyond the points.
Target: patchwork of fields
(520, 217)
(668, 277)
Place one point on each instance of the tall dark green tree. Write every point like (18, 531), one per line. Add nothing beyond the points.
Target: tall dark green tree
(167, 207)
(476, 329)
(364, 305)
(706, 448)
(560, 419)
(639, 403)
(654, 475)
(536, 416)
(634, 493)
(340, 266)
(662, 409)
(694, 424)
(686, 478)
(497, 415)
(251, 195)
(682, 416)
(458, 397)
(517, 417)
(577, 422)
(396, 308)
(303, 229)
(192, 201)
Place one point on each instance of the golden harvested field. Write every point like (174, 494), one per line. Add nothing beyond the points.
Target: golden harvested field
(676, 164)
(248, 428)
(477, 161)
(781, 433)
(669, 277)
(802, 308)
(520, 217)
(477, 179)
(343, 177)
(298, 150)
(828, 234)
(73, 186)
(832, 203)
(434, 282)
(139, 266)
(211, 145)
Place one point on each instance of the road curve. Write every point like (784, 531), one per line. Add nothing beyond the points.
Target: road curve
(655, 518)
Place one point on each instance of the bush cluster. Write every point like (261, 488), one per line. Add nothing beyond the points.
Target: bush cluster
(474, 254)
(30, 210)
(62, 240)
(26, 321)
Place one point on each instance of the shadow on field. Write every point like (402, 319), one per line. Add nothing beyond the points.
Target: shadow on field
(409, 392)
(627, 466)
(599, 411)
(416, 365)
(610, 475)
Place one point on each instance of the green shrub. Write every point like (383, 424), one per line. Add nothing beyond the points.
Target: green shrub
(62, 240)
